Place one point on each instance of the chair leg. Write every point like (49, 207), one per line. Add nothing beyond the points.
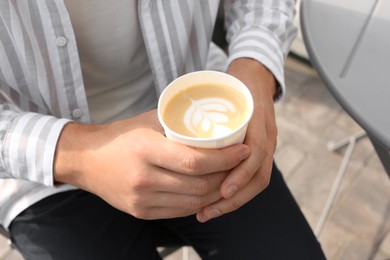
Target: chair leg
(351, 142)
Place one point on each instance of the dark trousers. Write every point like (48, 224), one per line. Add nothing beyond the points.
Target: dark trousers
(78, 225)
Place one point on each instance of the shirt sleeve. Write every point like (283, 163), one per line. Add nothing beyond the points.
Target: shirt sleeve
(261, 30)
(27, 144)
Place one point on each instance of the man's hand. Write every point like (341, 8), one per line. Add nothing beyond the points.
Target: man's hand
(253, 175)
(135, 168)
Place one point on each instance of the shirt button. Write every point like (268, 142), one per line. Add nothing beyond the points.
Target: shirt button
(77, 113)
(61, 41)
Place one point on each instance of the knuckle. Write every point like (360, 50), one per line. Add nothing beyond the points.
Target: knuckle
(140, 182)
(191, 163)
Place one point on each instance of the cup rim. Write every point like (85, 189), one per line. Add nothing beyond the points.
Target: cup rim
(244, 124)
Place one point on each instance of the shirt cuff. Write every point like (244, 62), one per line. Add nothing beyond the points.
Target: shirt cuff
(262, 47)
(30, 145)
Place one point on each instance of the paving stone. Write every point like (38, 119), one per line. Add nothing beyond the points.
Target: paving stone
(14, 255)
(290, 132)
(178, 255)
(374, 162)
(312, 107)
(365, 209)
(334, 239)
(385, 245)
(4, 246)
(361, 250)
(356, 250)
(297, 76)
(381, 256)
(288, 159)
(313, 180)
(310, 216)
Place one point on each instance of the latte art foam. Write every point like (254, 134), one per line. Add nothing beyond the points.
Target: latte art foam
(209, 116)
(205, 111)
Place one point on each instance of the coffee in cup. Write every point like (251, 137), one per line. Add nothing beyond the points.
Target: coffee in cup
(206, 109)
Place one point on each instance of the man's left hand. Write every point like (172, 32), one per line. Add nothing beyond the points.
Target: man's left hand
(253, 175)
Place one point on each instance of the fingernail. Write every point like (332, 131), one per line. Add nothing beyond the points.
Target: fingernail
(213, 213)
(231, 190)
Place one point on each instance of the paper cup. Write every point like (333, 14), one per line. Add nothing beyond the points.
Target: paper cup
(237, 135)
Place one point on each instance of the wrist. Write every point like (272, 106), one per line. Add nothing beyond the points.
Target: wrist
(72, 148)
(255, 76)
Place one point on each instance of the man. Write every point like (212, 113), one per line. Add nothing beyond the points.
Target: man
(87, 172)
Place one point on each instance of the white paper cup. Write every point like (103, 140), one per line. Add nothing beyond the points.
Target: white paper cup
(206, 77)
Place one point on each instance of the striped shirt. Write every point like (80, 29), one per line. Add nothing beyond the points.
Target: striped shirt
(42, 85)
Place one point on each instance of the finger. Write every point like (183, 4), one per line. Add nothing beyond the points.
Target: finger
(183, 201)
(240, 177)
(170, 204)
(165, 181)
(195, 161)
(221, 207)
(164, 213)
(244, 172)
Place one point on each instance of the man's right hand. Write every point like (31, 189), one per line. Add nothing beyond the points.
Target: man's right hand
(135, 168)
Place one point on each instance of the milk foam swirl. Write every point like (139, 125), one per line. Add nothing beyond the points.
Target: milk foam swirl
(209, 115)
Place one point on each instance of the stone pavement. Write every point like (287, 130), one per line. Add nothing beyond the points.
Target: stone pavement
(358, 227)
